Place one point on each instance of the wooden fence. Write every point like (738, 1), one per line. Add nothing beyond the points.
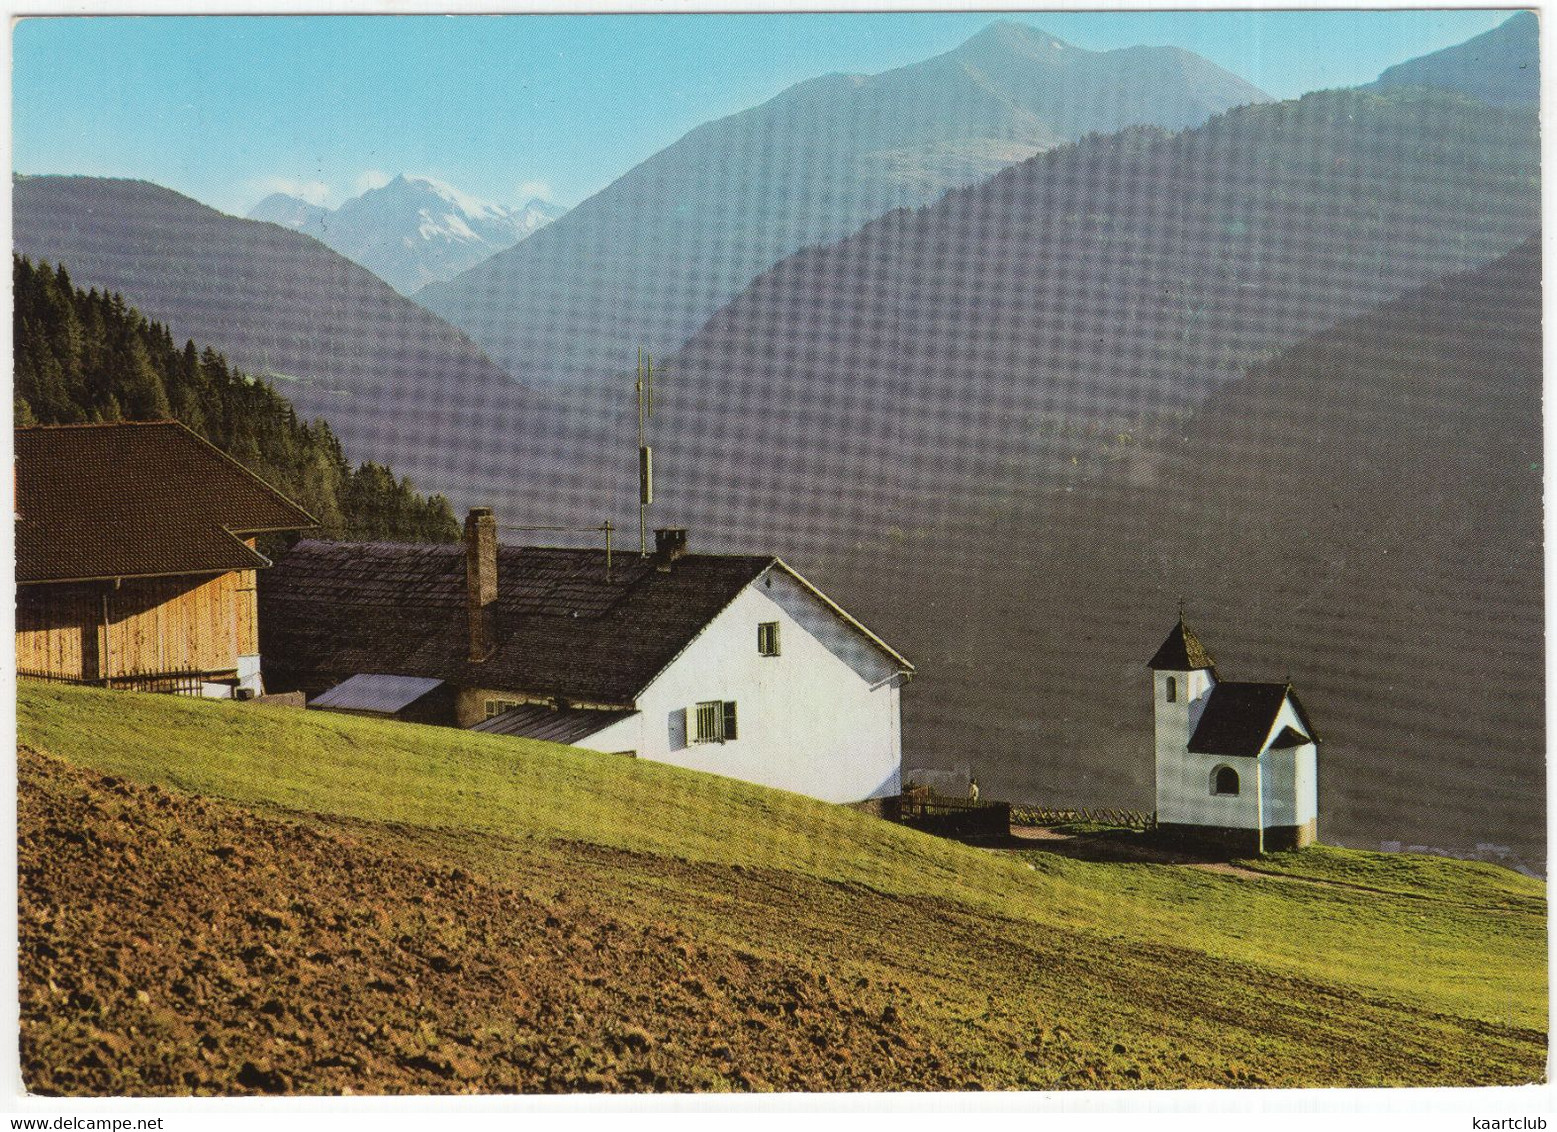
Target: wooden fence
(926, 810)
(1062, 815)
(961, 818)
(178, 683)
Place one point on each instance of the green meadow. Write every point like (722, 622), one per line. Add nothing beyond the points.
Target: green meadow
(1029, 968)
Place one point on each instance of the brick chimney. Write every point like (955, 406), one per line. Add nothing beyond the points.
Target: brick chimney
(670, 543)
(480, 580)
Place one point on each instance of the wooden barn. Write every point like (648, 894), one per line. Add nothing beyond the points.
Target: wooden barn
(732, 664)
(136, 559)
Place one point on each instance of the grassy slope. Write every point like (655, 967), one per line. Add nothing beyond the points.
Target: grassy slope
(1391, 970)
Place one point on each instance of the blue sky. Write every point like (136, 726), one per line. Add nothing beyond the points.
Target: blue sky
(228, 109)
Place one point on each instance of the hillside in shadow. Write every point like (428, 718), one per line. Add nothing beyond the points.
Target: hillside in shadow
(1362, 514)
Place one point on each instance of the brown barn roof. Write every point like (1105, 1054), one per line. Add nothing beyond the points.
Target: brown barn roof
(140, 499)
(329, 610)
(1181, 652)
(1239, 715)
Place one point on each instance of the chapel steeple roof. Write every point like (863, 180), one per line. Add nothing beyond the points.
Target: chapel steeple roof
(1181, 652)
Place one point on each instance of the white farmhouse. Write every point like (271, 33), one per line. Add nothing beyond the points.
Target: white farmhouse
(732, 664)
(1237, 762)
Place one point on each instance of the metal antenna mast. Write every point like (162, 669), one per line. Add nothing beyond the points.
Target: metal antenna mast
(645, 389)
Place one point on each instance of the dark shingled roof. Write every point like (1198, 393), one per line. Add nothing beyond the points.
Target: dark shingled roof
(329, 610)
(1181, 652)
(141, 499)
(538, 721)
(1239, 715)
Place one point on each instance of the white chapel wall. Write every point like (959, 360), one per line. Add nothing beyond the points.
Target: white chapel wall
(1184, 795)
(1174, 723)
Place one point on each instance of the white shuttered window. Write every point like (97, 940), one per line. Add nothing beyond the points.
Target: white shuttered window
(714, 722)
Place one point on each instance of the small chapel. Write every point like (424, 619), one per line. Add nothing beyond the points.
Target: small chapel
(1237, 761)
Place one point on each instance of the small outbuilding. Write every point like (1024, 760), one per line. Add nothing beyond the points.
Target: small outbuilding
(1237, 763)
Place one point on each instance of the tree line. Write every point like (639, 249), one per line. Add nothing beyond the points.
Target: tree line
(85, 357)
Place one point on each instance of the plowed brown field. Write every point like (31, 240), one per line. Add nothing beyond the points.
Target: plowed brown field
(172, 944)
(177, 944)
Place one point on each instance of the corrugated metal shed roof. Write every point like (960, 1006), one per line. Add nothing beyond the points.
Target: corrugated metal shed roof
(537, 721)
(376, 692)
(137, 499)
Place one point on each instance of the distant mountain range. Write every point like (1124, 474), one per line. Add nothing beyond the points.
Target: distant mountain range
(650, 257)
(1099, 285)
(337, 340)
(412, 231)
(1502, 66)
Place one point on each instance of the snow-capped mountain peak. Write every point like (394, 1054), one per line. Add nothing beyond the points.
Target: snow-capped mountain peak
(470, 207)
(413, 230)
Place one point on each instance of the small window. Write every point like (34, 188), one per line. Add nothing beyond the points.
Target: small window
(498, 707)
(714, 722)
(1224, 780)
(767, 638)
(1173, 689)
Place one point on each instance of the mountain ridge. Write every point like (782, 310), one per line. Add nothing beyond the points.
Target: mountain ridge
(807, 166)
(1007, 299)
(289, 212)
(338, 341)
(1501, 67)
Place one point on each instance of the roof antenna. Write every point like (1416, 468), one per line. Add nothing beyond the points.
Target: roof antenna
(1181, 608)
(645, 387)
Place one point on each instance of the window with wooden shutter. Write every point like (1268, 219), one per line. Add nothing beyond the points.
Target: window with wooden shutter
(710, 723)
(714, 722)
(768, 638)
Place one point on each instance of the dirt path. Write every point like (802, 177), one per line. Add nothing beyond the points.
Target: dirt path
(1039, 833)
(1227, 868)
(1099, 848)
(1044, 837)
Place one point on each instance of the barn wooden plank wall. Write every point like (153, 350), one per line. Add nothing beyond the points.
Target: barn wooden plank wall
(154, 625)
(50, 623)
